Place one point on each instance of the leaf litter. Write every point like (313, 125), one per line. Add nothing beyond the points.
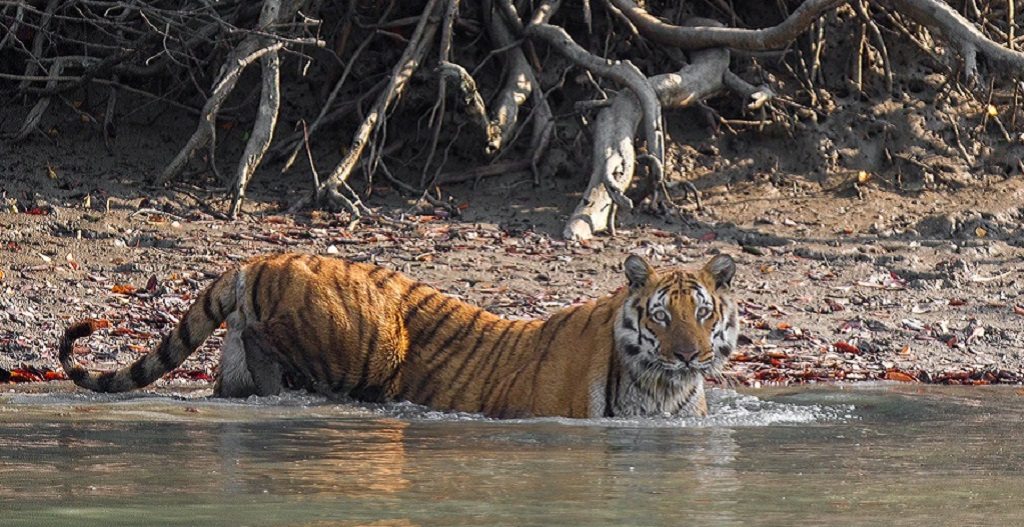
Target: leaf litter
(806, 315)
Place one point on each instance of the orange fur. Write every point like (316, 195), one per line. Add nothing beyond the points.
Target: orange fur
(375, 334)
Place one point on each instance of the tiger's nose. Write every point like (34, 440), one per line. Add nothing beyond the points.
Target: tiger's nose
(685, 354)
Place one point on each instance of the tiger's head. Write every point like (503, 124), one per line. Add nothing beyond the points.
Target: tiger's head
(678, 321)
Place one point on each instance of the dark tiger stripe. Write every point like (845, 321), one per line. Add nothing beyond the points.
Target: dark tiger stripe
(364, 376)
(278, 291)
(503, 397)
(163, 354)
(445, 352)
(497, 363)
(139, 373)
(379, 282)
(321, 370)
(412, 289)
(211, 311)
(315, 263)
(420, 304)
(423, 338)
(546, 349)
(454, 386)
(499, 353)
(610, 383)
(105, 379)
(489, 356)
(184, 331)
(262, 267)
(608, 318)
(590, 318)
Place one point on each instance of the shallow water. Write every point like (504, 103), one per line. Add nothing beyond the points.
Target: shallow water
(853, 455)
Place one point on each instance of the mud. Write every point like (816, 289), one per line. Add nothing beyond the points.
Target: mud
(850, 268)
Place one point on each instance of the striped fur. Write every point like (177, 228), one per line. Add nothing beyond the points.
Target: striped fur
(374, 334)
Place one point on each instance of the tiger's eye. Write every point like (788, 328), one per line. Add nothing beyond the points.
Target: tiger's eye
(660, 317)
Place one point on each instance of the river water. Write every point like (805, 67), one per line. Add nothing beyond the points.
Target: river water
(840, 455)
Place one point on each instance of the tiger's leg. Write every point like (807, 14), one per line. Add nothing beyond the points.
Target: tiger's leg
(248, 362)
(261, 358)
(234, 379)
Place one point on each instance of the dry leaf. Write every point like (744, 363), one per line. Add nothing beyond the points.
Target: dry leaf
(896, 375)
(846, 347)
(981, 232)
(863, 176)
(123, 289)
(992, 111)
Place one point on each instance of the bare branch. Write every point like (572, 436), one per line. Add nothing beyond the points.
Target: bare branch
(401, 73)
(708, 36)
(266, 113)
(962, 34)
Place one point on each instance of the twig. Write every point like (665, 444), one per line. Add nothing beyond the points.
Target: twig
(402, 72)
(444, 55)
(315, 125)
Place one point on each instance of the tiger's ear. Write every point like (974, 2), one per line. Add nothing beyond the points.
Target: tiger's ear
(638, 271)
(721, 268)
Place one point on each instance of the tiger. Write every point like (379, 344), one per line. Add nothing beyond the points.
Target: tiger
(369, 333)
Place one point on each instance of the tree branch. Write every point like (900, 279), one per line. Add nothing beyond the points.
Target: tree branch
(708, 36)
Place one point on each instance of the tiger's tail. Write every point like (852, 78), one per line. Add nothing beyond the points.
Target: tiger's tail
(204, 316)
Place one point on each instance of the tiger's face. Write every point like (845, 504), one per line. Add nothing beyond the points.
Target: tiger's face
(678, 321)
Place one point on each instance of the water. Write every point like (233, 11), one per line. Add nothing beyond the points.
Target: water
(864, 455)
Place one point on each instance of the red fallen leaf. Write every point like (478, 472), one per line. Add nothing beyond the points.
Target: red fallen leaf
(783, 326)
(99, 323)
(707, 237)
(952, 341)
(24, 375)
(191, 410)
(896, 375)
(846, 347)
(195, 375)
(463, 206)
(777, 354)
(55, 376)
(123, 289)
(957, 302)
(1019, 309)
(37, 211)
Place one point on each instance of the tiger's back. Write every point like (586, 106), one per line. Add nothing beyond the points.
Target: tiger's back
(374, 334)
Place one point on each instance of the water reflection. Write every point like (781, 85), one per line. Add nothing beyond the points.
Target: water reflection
(351, 459)
(902, 458)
